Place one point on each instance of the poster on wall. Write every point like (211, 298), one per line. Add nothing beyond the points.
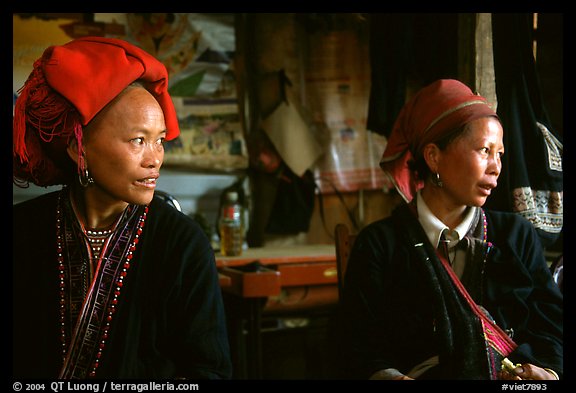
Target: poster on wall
(338, 82)
(211, 136)
(30, 37)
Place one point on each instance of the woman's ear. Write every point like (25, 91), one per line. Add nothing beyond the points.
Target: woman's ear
(431, 153)
(72, 149)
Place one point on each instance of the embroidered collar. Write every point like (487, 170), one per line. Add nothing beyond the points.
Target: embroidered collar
(87, 306)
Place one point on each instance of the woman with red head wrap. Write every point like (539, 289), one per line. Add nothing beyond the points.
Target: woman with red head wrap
(443, 289)
(109, 281)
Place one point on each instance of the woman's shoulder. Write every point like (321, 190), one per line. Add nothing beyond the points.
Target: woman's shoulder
(511, 228)
(506, 219)
(36, 205)
(165, 209)
(390, 224)
(166, 219)
(383, 230)
(34, 219)
(382, 224)
(171, 236)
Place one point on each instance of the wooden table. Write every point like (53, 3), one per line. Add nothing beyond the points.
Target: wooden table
(275, 279)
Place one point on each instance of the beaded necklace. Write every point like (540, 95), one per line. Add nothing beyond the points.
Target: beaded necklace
(485, 232)
(97, 240)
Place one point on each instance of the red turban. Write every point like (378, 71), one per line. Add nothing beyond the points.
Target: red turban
(431, 114)
(68, 86)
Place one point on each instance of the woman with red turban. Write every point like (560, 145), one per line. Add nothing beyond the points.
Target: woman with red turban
(108, 281)
(443, 289)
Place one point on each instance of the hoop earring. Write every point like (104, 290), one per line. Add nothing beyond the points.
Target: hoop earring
(436, 180)
(85, 179)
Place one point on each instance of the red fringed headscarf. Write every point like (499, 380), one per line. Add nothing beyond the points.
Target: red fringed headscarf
(432, 113)
(68, 86)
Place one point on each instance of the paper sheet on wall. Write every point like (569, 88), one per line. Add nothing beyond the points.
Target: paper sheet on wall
(197, 50)
(211, 136)
(292, 138)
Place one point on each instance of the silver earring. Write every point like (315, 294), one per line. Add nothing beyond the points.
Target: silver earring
(436, 180)
(85, 179)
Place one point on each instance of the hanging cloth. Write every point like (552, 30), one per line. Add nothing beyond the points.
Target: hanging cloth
(406, 55)
(531, 183)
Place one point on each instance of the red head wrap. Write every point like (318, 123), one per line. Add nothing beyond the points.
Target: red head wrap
(431, 114)
(68, 86)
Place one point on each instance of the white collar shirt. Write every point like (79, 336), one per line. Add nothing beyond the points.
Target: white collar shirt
(434, 228)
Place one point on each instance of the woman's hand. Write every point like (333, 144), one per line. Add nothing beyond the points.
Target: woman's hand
(403, 378)
(527, 371)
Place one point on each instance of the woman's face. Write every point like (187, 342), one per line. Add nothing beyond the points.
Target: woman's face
(124, 148)
(469, 166)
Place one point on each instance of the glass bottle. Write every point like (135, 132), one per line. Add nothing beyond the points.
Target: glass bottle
(230, 226)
